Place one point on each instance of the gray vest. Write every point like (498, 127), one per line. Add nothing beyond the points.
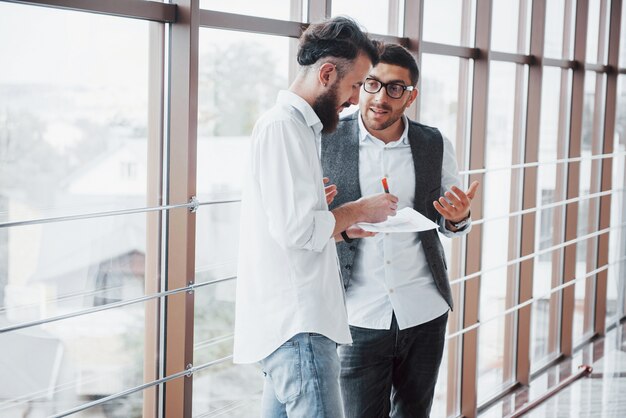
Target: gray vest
(340, 161)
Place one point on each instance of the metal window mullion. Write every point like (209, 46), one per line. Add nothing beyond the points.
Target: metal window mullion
(454, 346)
(134, 9)
(181, 225)
(260, 25)
(458, 245)
(154, 175)
(558, 234)
(528, 221)
(413, 33)
(606, 169)
(480, 94)
(591, 286)
(318, 10)
(448, 50)
(573, 172)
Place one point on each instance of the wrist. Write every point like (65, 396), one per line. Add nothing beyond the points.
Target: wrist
(346, 238)
(459, 224)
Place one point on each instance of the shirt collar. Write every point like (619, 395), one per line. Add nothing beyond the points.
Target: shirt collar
(404, 138)
(310, 117)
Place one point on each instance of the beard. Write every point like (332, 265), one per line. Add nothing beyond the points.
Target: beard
(325, 107)
(392, 117)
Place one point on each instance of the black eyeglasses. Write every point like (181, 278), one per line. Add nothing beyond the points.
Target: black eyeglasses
(394, 90)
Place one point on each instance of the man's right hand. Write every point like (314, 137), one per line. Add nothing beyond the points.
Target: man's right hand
(378, 207)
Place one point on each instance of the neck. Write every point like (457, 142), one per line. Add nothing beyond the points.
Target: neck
(305, 88)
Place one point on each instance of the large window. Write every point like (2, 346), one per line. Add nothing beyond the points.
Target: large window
(124, 133)
(73, 140)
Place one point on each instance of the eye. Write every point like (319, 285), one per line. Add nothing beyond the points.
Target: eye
(396, 89)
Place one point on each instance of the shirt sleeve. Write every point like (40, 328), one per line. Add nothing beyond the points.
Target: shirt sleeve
(290, 190)
(450, 177)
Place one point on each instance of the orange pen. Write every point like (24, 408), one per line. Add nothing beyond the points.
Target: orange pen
(385, 185)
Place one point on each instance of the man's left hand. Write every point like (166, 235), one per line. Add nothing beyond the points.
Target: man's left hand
(331, 191)
(455, 207)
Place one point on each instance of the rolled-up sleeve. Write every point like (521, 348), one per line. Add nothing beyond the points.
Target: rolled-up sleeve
(292, 195)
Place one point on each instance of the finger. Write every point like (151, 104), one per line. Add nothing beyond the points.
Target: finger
(441, 209)
(325, 180)
(461, 196)
(452, 198)
(330, 188)
(446, 205)
(471, 192)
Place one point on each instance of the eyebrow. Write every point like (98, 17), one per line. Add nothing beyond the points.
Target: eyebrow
(397, 81)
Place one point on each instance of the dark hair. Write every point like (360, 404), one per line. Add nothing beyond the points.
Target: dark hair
(339, 37)
(395, 54)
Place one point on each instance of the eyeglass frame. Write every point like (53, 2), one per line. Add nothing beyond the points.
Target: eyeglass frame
(385, 85)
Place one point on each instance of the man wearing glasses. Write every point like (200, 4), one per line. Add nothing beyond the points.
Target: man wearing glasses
(290, 311)
(397, 290)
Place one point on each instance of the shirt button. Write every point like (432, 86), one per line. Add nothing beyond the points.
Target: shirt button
(390, 290)
(388, 261)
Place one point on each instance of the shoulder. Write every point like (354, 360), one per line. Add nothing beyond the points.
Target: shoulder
(425, 129)
(278, 119)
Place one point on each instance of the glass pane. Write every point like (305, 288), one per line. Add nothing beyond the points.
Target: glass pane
(63, 267)
(593, 31)
(227, 390)
(231, 97)
(622, 42)
(439, 94)
(73, 112)
(506, 31)
(546, 265)
(555, 15)
(443, 22)
(274, 9)
(491, 337)
(54, 367)
(223, 387)
(382, 17)
(616, 287)
(582, 247)
(495, 251)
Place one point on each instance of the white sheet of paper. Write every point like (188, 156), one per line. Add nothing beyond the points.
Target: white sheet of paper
(406, 220)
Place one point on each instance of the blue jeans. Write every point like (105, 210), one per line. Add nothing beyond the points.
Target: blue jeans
(302, 379)
(391, 372)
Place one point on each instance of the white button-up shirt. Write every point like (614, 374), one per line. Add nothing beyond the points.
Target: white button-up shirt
(391, 273)
(288, 277)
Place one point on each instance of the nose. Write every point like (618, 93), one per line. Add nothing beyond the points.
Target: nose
(381, 96)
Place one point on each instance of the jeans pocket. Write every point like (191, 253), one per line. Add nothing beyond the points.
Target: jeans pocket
(283, 369)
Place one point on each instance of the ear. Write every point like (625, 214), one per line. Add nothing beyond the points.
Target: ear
(327, 73)
(412, 97)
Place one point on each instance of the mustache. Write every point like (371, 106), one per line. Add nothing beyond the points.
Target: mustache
(382, 106)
